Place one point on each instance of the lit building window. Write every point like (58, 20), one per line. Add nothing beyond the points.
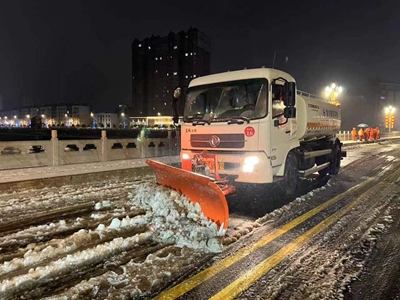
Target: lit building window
(154, 108)
(167, 74)
(165, 103)
(160, 58)
(186, 76)
(149, 47)
(156, 71)
(140, 45)
(191, 53)
(175, 73)
(156, 58)
(194, 76)
(186, 54)
(195, 53)
(175, 47)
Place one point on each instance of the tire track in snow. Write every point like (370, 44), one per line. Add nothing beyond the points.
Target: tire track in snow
(316, 271)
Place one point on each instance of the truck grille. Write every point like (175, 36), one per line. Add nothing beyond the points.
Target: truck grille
(230, 166)
(236, 141)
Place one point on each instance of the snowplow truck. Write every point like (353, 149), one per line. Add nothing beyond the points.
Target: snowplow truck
(250, 126)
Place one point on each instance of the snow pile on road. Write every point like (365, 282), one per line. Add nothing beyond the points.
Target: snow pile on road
(159, 215)
(174, 219)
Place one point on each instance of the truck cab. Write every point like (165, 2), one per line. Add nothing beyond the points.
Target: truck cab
(231, 116)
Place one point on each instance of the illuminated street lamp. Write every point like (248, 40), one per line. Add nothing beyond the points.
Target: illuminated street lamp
(332, 92)
(390, 119)
(66, 120)
(92, 116)
(123, 116)
(44, 120)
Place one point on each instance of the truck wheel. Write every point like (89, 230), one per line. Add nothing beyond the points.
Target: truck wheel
(292, 177)
(336, 160)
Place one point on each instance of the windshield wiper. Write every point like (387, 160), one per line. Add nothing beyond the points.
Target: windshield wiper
(238, 120)
(201, 122)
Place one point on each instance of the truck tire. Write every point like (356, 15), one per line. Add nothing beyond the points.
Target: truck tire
(336, 160)
(292, 176)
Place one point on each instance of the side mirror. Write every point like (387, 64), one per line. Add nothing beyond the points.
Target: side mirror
(289, 112)
(289, 90)
(177, 92)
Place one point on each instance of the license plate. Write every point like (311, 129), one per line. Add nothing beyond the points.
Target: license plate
(211, 165)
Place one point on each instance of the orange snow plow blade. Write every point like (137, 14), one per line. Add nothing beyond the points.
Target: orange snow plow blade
(198, 188)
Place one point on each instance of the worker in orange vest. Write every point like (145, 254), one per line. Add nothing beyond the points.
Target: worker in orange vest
(377, 133)
(372, 134)
(366, 134)
(354, 134)
(361, 134)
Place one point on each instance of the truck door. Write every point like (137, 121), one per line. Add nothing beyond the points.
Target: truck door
(280, 134)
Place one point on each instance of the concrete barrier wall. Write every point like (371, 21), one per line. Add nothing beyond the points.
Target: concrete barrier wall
(22, 154)
(344, 135)
(130, 148)
(68, 155)
(62, 152)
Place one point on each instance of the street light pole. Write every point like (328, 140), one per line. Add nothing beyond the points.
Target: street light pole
(389, 111)
(332, 92)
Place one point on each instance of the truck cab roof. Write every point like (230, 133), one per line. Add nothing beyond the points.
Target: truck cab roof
(241, 74)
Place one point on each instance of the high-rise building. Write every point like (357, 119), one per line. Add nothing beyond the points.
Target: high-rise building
(159, 64)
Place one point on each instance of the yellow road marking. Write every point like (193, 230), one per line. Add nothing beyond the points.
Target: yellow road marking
(243, 282)
(208, 273)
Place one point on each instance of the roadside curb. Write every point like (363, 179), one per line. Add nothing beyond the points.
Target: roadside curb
(88, 175)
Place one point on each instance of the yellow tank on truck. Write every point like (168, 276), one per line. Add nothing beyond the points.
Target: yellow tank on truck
(316, 118)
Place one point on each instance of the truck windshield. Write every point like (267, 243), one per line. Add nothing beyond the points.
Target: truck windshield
(226, 100)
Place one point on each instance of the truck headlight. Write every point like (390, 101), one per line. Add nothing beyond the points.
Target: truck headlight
(185, 156)
(249, 163)
(251, 160)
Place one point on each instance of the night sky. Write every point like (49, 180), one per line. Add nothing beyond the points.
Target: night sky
(80, 51)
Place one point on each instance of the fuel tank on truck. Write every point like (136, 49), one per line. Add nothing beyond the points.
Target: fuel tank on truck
(316, 118)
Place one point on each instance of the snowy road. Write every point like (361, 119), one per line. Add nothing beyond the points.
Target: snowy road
(121, 240)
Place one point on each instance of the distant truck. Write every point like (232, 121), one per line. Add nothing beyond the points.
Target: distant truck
(251, 126)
